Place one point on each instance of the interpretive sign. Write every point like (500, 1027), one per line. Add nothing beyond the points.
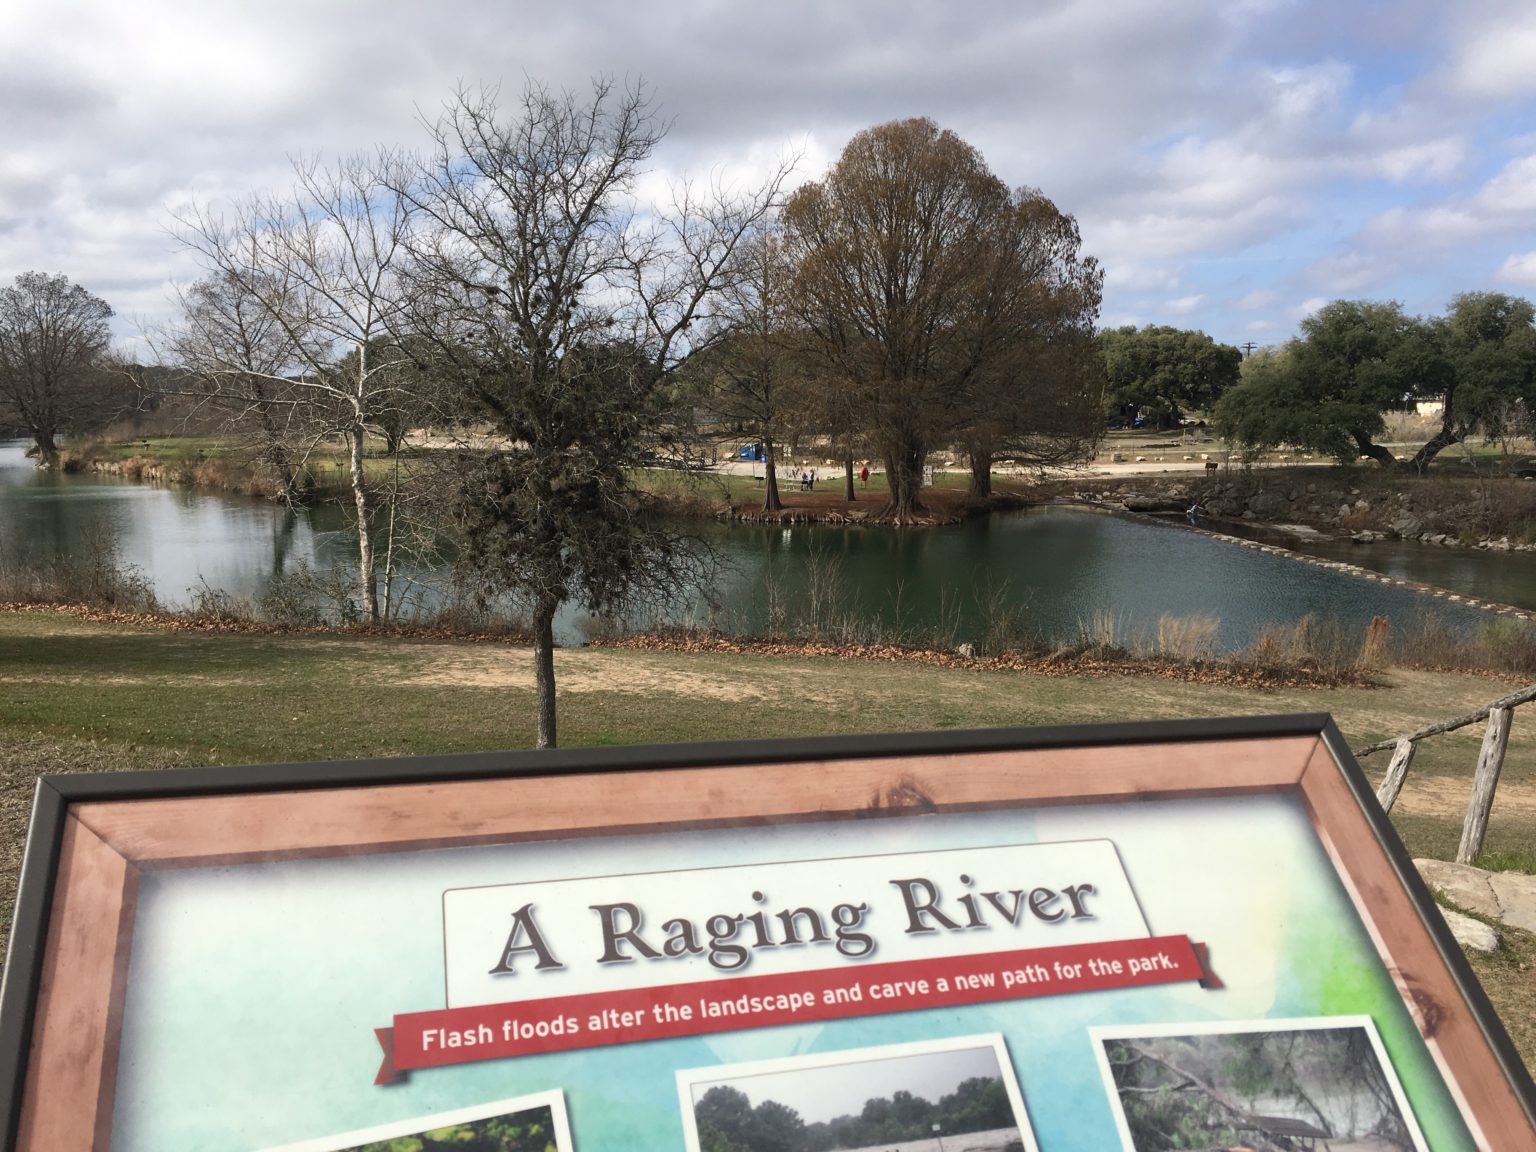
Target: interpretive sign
(1188, 935)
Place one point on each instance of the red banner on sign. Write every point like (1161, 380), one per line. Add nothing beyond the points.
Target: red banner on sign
(523, 1028)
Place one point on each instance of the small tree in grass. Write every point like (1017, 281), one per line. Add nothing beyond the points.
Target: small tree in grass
(556, 311)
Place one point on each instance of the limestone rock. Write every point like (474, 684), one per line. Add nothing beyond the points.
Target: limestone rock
(1460, 884)
(1140, 503)
(1470, 933)
(1268, 503)
(1516, 894)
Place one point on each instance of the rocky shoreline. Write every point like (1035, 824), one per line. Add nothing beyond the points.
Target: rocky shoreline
(1163, 508)
(1302, 506)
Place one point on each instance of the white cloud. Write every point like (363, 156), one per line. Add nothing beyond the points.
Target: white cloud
(1347, 272)
(1512, 191)
(1308, 307)
(1258, 298)
(1299, 95)
(1134, 277)
(1505, 204)
(1520, 268)
(1183, 305)
(1498, 58)
(1259, 325)
(1437, 160)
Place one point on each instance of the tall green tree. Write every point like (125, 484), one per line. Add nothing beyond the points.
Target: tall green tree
(1330, 388)
(1482, 368)
(53, 348)
(1160, 372)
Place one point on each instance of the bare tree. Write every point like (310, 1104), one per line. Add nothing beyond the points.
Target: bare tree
(887, 249)
(53, 344)
(322, 267)
(557, 310)
(752, 376)
(231, 352)
(1033, 376)
(938, 300)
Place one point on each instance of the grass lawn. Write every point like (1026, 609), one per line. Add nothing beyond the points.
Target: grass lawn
(89, 696)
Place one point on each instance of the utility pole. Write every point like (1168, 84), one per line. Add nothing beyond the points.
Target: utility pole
(1248, 349)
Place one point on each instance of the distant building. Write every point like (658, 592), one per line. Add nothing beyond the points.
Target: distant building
(1430, 407)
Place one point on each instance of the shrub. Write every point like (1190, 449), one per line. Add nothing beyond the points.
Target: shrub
(91, 575)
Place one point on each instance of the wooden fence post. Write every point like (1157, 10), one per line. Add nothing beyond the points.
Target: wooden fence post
(1490, 761)
(1397, 772)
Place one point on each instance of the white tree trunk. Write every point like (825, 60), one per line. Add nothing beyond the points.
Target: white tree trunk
(366, 576)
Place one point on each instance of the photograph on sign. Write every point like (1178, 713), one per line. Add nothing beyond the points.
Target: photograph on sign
(664, 954)
(1283, 1083)
(901, 1098)
(527, 1124)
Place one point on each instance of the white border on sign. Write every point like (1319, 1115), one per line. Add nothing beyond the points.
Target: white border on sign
(554, 1101)
(687, 1078)
(1102, 1032)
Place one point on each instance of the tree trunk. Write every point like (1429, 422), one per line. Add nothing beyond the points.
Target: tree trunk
(367, 578)
(47, 451)
(981, 473)
(277, 455)
(848, 493)
(771, 501)
(1375, 451)
(544, 670)
(287, 479)
(389, 543)
(1436, 444)
(904, 472)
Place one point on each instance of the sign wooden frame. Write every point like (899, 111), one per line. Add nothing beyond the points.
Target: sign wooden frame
(93, 836)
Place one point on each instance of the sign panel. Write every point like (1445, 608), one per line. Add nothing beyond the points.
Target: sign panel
(1154, 936)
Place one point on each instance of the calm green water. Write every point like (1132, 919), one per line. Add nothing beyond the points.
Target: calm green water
(1057, 566)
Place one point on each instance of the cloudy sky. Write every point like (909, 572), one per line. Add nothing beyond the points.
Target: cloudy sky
(1233, 163)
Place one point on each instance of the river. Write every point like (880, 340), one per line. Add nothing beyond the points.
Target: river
(1054, 567)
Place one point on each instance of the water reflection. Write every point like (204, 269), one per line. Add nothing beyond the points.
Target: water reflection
(1056, 567)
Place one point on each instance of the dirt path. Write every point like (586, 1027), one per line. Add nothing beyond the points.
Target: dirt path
(1447, 795)
(581, 671)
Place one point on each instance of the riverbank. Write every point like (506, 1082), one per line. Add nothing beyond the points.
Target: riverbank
(1441, 509)
(219, 465)
(82, 694)
(1452, 506)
